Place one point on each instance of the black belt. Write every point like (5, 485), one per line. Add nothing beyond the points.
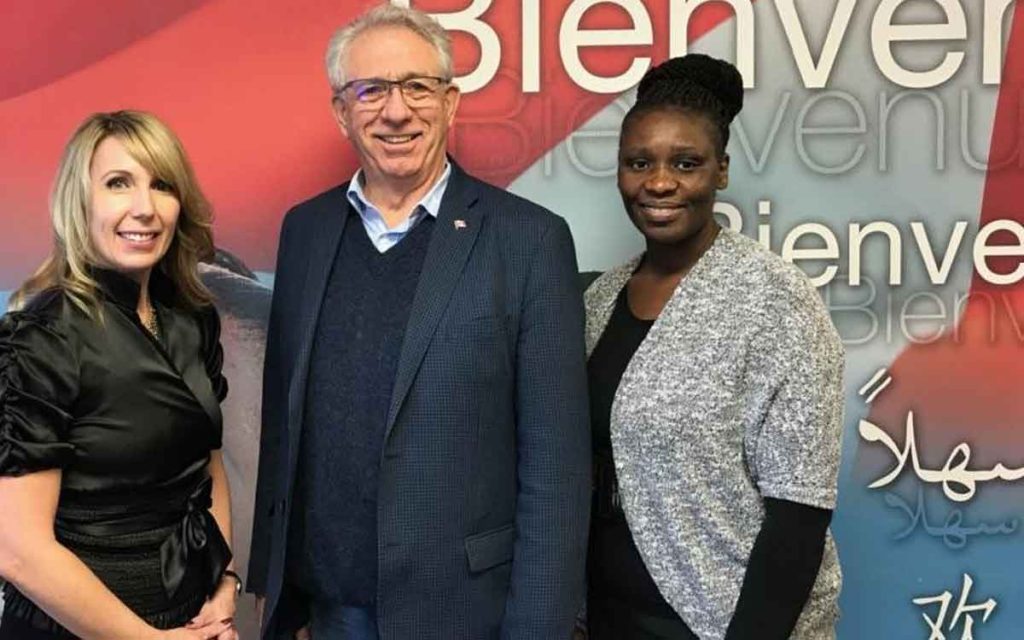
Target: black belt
(196, 535)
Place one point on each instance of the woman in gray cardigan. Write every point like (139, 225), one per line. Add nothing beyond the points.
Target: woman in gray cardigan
(716, 398)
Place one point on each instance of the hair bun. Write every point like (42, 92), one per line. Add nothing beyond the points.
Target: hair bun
(679, 75)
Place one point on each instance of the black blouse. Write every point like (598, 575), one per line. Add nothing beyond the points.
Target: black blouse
(130, 420)
(624, 601)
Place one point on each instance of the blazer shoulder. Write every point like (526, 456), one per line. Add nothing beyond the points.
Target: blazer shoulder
(504, 203)
(311, 209)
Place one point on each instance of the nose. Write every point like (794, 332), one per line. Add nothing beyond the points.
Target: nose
(661, 181)
(395, 109)
(142, 202)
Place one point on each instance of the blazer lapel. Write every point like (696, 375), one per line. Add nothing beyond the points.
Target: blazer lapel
(455, 232)
(322, 246)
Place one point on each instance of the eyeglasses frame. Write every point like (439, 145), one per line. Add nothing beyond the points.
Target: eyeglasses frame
(390, 85)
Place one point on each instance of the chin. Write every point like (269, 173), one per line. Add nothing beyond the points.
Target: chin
(403, 169)
(668, 235)
(133, 266)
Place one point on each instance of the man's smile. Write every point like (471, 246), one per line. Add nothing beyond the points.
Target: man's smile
(397, 139)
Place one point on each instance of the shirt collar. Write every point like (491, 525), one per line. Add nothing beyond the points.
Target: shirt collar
(431, 202)
(123, 290)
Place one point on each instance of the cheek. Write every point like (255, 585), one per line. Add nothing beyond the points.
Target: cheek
(703, 188)
(96, 235)
(101, 236)
(627, 187)
(170, 213)
(101, 222)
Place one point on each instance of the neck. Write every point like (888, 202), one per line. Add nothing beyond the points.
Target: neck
(144, 306)
(676, 260)
(395, 199)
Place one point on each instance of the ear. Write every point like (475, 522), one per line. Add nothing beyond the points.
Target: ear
(723, 172)
(450, 102)
(342, 116)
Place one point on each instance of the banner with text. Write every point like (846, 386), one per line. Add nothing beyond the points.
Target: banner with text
(879, 149)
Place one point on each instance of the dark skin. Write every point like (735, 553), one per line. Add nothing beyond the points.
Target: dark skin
(671, 165)
(670, 168)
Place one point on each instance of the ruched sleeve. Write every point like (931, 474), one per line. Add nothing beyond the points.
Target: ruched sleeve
(213, 352)
(38, 384)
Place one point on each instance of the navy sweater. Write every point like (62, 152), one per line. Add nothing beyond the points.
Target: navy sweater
(352, 371)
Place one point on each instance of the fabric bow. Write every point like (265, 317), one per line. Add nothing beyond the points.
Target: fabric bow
(197, 538)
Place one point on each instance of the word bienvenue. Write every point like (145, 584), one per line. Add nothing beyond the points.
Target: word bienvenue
(887, 33)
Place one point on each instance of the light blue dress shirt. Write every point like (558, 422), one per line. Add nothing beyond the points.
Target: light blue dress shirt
(373, 221)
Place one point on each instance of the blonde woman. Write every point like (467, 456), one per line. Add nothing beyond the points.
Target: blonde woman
(110, 424)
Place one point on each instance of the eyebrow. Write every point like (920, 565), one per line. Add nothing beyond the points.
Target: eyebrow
(116, 171)
(647, 150)
(127, 172)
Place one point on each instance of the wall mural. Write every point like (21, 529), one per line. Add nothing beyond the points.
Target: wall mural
(879, 149)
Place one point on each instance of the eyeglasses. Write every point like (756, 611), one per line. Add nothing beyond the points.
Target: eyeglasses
(373, 91)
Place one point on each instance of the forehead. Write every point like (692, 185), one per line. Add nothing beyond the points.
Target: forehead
(112, 154)
(670, 127)
(140, 157)
(390, 52)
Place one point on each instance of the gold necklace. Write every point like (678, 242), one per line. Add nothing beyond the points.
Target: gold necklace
(152, 324)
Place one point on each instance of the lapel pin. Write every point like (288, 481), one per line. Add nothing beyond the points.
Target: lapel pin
(460, 223)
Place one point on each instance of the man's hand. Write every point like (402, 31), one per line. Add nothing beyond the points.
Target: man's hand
(303, 634)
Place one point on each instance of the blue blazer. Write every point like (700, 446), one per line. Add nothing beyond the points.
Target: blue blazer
(484, 486)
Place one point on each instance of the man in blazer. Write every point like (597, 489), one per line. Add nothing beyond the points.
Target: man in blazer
(424, 461)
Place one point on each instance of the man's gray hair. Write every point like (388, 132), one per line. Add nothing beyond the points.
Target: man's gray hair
(386, 15)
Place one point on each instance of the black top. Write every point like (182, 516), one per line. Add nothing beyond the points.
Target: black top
(616, 571)
(332, 545)
(130, 421)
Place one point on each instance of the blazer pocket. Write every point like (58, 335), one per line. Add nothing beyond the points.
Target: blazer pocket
(490, 548)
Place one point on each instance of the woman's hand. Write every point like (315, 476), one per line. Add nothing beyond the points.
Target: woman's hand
(218, 611)
(213, 631)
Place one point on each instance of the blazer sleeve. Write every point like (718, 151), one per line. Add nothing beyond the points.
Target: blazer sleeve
(273, 428)
(553, 448)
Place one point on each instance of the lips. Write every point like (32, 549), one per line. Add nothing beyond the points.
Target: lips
(397, 140)
(138, 237)
(660, 212)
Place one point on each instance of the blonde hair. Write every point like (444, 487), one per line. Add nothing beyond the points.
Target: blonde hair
(154, 146)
